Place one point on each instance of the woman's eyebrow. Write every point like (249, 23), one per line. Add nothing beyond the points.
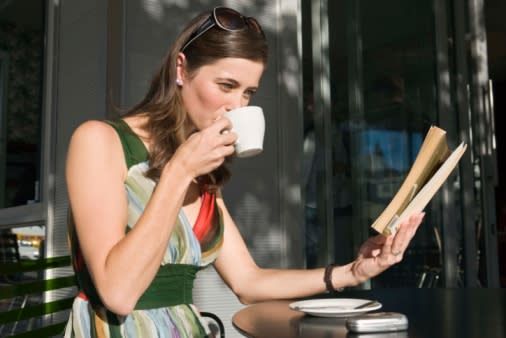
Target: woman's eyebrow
(235, 83)
(229, 79)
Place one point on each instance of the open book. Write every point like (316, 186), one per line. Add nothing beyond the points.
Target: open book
(431, 168)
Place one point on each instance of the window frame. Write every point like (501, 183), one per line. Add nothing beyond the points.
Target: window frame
(39, 212)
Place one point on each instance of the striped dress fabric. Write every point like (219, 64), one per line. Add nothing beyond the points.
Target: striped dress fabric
(88, 318)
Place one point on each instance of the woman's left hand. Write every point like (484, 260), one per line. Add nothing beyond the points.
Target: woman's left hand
(380, 252)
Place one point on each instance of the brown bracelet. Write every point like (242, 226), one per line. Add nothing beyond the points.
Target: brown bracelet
(327, 278)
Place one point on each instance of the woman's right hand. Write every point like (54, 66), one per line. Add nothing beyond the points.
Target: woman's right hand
(206, 149)
(380, 252)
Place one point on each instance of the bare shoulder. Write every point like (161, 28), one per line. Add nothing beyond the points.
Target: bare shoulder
(93, 129)
(97, 135)
(97, 142)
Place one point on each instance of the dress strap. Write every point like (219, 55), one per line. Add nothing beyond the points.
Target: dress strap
(133, 148)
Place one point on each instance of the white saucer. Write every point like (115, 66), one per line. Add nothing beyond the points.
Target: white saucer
(334, 307)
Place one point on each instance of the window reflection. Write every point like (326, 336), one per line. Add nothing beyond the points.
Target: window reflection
(19, 244)
(30, 241)
(22, 243)
(382, 101)
(386, 156)
(21, 60)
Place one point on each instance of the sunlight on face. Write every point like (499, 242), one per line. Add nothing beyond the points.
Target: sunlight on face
(214, 89)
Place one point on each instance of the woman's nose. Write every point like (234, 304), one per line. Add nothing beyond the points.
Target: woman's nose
(236, 102)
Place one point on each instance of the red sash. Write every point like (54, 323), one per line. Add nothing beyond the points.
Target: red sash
(204, 220)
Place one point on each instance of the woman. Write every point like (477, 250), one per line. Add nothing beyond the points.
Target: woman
(147, 211)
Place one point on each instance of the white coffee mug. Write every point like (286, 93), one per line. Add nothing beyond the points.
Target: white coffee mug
(249, 125)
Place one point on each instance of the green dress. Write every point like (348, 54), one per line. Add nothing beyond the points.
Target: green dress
(165, 309)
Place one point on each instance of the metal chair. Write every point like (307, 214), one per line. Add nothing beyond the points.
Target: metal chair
(217, 321)
(9, 252)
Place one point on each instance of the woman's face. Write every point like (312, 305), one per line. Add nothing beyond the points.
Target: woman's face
(219, 87)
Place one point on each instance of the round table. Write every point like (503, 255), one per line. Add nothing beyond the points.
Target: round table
(432, 313)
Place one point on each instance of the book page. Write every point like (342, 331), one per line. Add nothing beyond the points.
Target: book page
(432, 153)
(429, 190)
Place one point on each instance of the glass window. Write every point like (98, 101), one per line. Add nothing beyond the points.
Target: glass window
(382, 100)
(21, 75)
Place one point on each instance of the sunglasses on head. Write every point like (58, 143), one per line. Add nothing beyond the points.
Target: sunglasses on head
(227, 19)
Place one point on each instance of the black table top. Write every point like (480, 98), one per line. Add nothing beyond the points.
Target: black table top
(432, 313)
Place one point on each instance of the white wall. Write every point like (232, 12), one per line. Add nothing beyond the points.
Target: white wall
(79, 89)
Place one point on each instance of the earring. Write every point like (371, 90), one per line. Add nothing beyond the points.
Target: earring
(179, 82)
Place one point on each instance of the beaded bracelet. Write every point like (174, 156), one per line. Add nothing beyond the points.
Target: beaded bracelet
(327, 278)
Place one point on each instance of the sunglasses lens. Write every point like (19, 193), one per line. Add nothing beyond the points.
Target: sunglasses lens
(252, 23)
(229, 19)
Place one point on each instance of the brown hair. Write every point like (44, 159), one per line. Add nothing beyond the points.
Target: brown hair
(163, 105)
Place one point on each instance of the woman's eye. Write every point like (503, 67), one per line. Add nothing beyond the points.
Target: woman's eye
(249, 93)
(226, 86)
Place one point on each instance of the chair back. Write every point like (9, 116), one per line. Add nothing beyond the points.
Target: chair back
(23, 302)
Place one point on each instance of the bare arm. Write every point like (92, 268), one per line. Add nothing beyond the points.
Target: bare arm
(253, 284)
(123, 265)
